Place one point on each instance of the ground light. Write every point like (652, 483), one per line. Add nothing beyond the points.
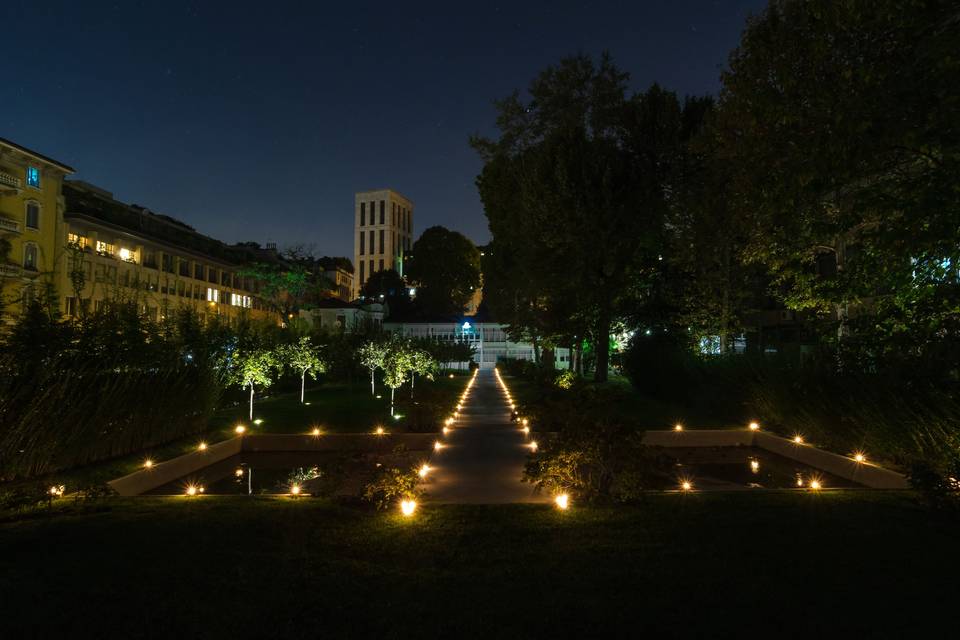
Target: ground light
(533, 446)
(424, 470)
(798, 439)
(562, 501)
(755, 466)
(754, 426)
(148, 463)
(860, 457)
(379, 431)
(446, 430)
(239, 429)
(57, 490)
(526, 431)
(202, 446)
(192, 490)
(525, 422)
(258, 421)
(815, 485)
(315, 432)
(238, 472)
(407, 507)
(437, 445)
(294, 489)
(686, 485)
(678, 427)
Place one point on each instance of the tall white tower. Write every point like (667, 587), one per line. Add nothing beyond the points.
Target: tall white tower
(382, 233)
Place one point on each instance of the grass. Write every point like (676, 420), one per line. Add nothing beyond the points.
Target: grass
(709, 565)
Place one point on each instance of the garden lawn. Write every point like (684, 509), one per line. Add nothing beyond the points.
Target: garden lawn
(781, 564)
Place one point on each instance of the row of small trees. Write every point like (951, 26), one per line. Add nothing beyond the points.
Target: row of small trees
(258, 367)
(400, 359)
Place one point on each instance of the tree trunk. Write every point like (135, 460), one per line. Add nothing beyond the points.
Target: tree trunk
(579, 367)
(391, 401)
(373, 390)
(603, 345)
(725, 303)
(536, 350)
(413, 378)
(251, 402)
(303, 384)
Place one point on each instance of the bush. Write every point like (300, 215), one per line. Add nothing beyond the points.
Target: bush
(391, 485)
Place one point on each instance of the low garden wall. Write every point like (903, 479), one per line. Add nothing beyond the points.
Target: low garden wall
(864, 473)
(162, 473)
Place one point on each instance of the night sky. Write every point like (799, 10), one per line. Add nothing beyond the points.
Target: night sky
(259, 121)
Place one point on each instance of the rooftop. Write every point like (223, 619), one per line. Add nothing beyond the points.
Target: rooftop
(38, 156)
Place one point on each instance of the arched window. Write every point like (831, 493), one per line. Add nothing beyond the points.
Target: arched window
(30, 256)
(33, 215)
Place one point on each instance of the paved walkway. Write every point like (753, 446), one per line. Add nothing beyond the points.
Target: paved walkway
(483, 457)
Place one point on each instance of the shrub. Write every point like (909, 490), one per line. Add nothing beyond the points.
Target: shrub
(391, 485)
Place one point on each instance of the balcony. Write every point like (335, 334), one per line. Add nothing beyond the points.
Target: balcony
(9, 270)
(9, 225)
(9, 183)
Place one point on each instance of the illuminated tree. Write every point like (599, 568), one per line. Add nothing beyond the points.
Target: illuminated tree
(304, 358)
(255, 367)
(371, 355)
(422, 363)
(398, 363)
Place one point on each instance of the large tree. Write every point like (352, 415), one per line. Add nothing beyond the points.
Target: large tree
(840, 120)
(576, 187)
(445, 267)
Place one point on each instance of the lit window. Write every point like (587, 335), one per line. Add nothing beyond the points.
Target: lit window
(30, 257)
(33, 177)
(127, 255)
(213, 295)
(104, 248)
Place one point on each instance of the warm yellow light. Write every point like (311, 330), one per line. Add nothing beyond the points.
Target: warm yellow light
(295, 489)
(562, 501)
(533, 445)
(148, 463)
(451, 376)
(240, 429)
(379, 431)
(755, 465)
(860, 457)
(424, 470)
(798, 439)
(799, 481)
(57, 490)
(315, 432)
(201, 489)
(437, 445)
(446, 430)
(238, 472)
(407, 507)
(686, 485)
(678, 427)
(202, 446)
(449, 421)
(192, 490)
(526, 430)
(815, 484)
(754, 426)
(525, 422)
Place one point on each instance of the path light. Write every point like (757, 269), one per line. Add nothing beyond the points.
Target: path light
(201, 489)
(407, 507)
(562, 501)
(238, 472)
(315, 432)
(860, 457)
(451, 376)
(525, 422)
(798, 439)
(192, 490)
(449, 421)
(307, 403)
(754, 426)
(446, 430)
(799, 481)
(424, 470)
(148, 464)
(686, 485)
(678, 427)
(240, 429)
(533, 445)
(295, 489)
(437, 445)
(755, 466)
(202, 446)
(526, 431)
(815, 485)
(379, 431)
(57, 490)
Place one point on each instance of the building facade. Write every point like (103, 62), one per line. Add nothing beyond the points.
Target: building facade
(489, 340)
(31, 225)
(116, 251)
(342, 281)
(336, 316)
(383, 233)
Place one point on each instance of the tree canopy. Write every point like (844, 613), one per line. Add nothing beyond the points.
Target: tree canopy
(445, 269)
